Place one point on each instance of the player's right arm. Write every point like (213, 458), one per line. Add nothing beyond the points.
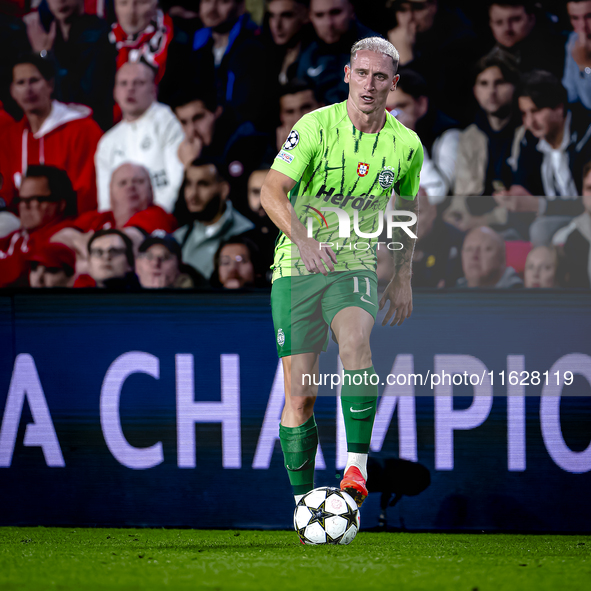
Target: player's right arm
(275, 201)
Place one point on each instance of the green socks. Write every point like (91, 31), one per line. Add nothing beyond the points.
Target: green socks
(359, 400)
(299, 445)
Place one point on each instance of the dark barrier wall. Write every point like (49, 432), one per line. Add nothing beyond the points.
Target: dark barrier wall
(163, 410)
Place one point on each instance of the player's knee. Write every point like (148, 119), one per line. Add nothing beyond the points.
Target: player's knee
(355, 352)
(301, 407)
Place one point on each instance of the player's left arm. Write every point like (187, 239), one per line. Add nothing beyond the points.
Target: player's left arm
(399, 290)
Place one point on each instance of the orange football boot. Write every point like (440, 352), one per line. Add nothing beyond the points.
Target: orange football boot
(353, 484)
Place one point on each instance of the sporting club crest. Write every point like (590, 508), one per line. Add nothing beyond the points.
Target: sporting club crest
(280, 337)
(386, 177)
(362, 169)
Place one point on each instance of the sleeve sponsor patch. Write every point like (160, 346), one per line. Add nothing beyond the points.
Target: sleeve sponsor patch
(283, 155)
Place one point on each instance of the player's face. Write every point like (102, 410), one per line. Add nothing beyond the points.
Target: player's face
(201, 186)
(214, 13)
(236, 269)
(33, 210)
(286, 18)
(107, 258)
(481, 258)
(542, 123)
(130, 189)
(493, 93)
(135, 15)
(157, 267)
(580, 19)
(292, 107)
(255, 184)
(406, 108)
(30, 90)
(510, 24)
(64, 9)
(197, 122)
(540, 268)
(371, 78)
(135, 90)
(41, 276)
(331, 19)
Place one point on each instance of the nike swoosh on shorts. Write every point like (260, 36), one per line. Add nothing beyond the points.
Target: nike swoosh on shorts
(367, 301)
(362, 410)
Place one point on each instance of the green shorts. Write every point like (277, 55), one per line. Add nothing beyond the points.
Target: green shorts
(304, 306)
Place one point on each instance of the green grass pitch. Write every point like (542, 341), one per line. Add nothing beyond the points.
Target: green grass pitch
(150, 559)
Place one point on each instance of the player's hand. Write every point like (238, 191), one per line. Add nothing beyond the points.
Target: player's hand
(399, 292)
(315, 258)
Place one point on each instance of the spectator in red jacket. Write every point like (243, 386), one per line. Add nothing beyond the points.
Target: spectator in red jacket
(46, 204)
(132, 204)
(142, 31)
(78, 44)
(132, 210)
(52, 265)
(51, 133)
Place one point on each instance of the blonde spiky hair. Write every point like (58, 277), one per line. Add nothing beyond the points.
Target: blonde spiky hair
(379, 45)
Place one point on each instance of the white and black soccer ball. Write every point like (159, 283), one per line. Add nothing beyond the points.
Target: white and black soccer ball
(326, 515)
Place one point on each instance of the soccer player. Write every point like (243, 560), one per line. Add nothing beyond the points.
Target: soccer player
(350, 157)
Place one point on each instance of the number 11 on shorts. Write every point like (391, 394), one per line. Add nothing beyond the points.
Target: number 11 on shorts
(367, 289)
(356, 285)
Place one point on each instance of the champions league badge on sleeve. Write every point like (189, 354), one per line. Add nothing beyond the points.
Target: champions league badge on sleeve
(386, 177)
(292, 140)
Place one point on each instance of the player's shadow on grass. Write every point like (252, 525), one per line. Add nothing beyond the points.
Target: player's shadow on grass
(394, 478)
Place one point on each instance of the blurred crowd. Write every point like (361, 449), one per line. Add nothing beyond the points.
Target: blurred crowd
(136, 135)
